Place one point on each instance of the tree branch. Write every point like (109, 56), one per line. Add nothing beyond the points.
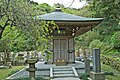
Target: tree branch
(1, 27)
(72, 3)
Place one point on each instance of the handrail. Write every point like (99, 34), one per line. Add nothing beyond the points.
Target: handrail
(51, 72)
(75, 72)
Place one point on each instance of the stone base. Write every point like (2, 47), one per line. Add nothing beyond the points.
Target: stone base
(97, 76)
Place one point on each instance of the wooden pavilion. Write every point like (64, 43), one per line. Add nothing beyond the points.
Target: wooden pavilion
(69, 26)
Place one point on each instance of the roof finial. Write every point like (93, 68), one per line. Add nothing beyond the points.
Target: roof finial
(58, 9)
(57, 5)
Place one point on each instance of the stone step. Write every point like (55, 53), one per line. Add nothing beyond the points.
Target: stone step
(63, 75)
(67, 78)
(64, 69)
(61, 67)
(63, 72)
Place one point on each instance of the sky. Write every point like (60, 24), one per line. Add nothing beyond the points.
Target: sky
(66, 3)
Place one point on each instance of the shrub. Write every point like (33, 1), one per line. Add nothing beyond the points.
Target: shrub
(84, 76)
(114, 63)
(98, 44)
(115, 40)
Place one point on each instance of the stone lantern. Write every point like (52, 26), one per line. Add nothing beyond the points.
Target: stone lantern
(32, 68)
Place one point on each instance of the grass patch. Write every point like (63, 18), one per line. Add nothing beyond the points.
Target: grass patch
(4, 73)
(107, 68)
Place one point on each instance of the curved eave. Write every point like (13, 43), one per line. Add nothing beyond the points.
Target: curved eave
(77, 24)
(91, 20)
(80, 26)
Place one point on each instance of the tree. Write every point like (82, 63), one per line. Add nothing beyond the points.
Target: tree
(110, 11)
(20, 30)
(84, 40)
(104, 47)
(13, 13)
(21, 14)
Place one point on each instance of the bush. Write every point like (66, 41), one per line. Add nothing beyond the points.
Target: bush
(115, 40)
(98, 44)
(114, 63)
(84, 76)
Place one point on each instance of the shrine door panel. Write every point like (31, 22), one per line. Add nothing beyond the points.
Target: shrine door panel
(60, 49)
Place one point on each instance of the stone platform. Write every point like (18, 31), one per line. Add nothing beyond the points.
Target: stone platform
(44, 70)
(70, 78)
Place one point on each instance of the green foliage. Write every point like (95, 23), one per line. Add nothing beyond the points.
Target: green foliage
(42, 8)
(111, 61)
(13, 72)
(115, 40)
(4, 73)
(84, 12)
(106, 35)
(12, 38)
(19, 30)
(98, 44)
(113, 53)
(84, 76)
(34, 38)
(48, 55)
(110, 69)
(84, 40)
(109, 10)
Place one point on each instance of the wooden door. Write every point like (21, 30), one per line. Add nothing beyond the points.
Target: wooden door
(63, 49)
(60, 49)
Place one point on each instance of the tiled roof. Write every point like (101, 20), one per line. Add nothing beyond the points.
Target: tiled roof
(58, 15)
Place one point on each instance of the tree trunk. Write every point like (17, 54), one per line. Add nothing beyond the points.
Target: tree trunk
(1, 31)
(5, 56)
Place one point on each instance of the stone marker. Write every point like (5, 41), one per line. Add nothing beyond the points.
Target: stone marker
(96, 74)
(87, 62)
(96, 60)
(31, 68)
(87, 66)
